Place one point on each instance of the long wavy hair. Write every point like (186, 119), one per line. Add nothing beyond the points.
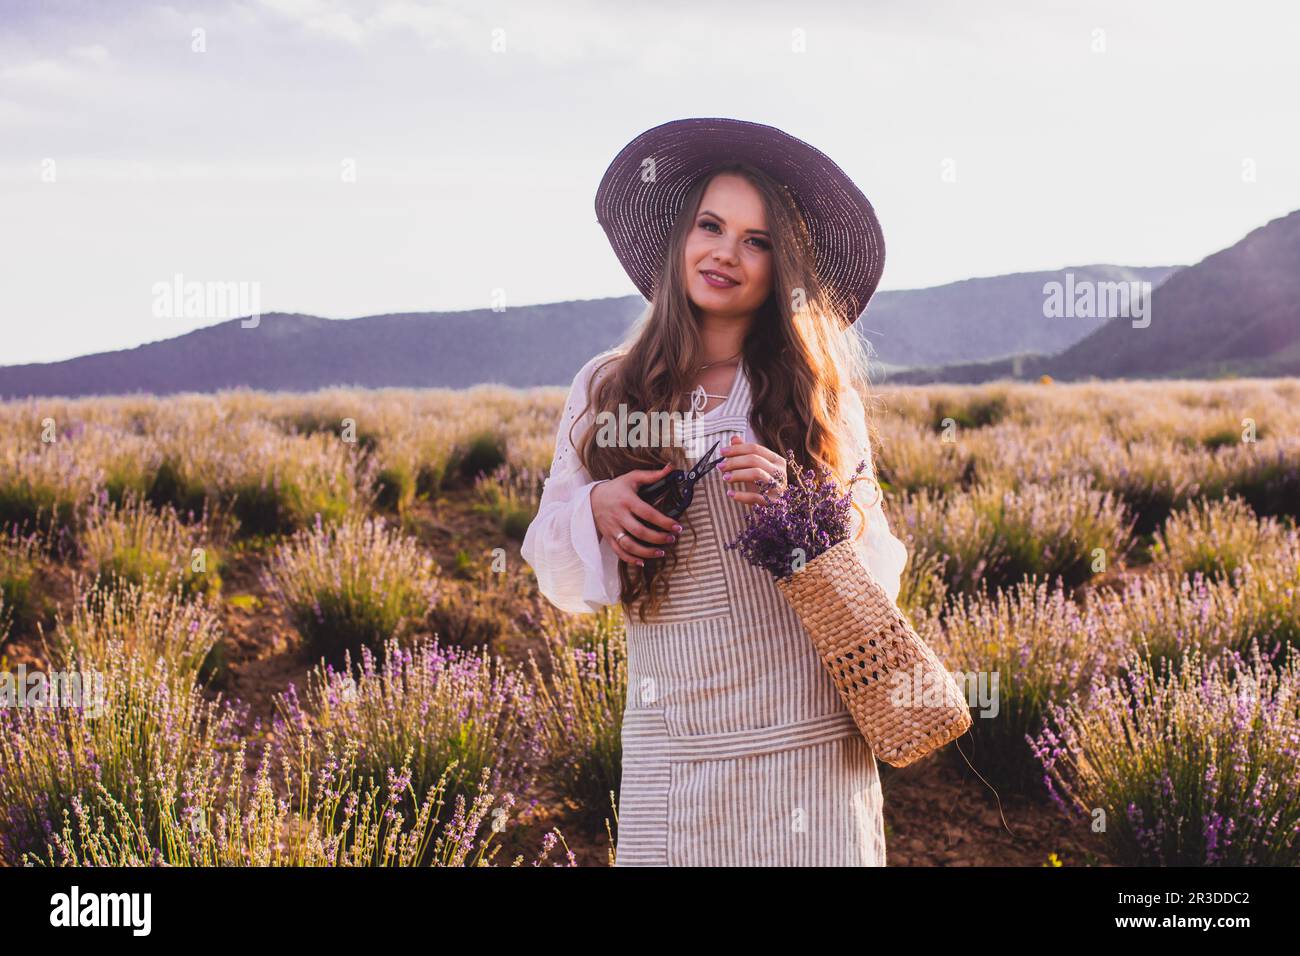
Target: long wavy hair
(798, 356)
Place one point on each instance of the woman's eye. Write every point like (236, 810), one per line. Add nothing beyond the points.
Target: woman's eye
(759, 242)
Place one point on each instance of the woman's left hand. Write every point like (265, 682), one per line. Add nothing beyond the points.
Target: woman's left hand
(746, 465)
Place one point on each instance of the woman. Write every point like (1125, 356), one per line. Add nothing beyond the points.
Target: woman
(757, 253)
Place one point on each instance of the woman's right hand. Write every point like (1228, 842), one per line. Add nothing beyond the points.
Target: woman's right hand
(616, 508)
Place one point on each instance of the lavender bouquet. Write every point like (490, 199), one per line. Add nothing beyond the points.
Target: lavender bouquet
(805, 520)
(801, 537)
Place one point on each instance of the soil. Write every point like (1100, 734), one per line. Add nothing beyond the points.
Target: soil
(938, 812)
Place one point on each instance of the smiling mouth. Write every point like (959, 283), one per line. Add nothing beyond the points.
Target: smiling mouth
(717, 279)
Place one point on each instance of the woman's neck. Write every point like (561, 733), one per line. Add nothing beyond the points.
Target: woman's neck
(723, 339)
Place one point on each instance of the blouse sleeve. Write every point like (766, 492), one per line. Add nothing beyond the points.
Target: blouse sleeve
(575, 571)
(885, 555)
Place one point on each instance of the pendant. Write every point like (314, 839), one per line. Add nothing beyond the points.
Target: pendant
(699, 398)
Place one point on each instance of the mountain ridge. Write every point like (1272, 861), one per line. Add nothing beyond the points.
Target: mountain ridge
(527, 346)
(1235, 312)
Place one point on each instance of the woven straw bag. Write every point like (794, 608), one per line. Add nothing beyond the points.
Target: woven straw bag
(869, 648)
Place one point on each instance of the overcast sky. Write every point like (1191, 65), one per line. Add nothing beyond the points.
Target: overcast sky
(991, 137)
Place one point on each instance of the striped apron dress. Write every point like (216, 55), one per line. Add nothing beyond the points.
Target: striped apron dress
(737, 749)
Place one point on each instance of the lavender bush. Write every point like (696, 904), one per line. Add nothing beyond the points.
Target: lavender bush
(20, 556)
(1166, 615)
(428, 704)
(581, 694)
(353, 584)
(1152, 479)
(511, 495)
(136, 543)
(1265, 474)
(994, 537)
(913, 458)
(45, 486)
(1196, 767)
(922, 590)
(1216, 537)
(147, 621)
(149, 729)
(332, 817)
(1029, 646)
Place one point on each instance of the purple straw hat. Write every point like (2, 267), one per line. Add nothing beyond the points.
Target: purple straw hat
(637, 213)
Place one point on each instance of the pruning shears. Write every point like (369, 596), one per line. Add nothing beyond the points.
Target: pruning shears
(672, 494)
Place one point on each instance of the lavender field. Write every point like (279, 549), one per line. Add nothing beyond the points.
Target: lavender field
(315, 642)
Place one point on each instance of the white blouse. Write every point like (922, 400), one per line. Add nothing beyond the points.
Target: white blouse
(579, 573)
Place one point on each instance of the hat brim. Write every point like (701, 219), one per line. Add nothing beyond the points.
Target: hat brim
(637, 202)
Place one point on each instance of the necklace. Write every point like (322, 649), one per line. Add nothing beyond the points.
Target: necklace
(699, 396)
(720, 361)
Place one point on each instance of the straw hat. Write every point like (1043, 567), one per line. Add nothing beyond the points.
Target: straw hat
(637, 215)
